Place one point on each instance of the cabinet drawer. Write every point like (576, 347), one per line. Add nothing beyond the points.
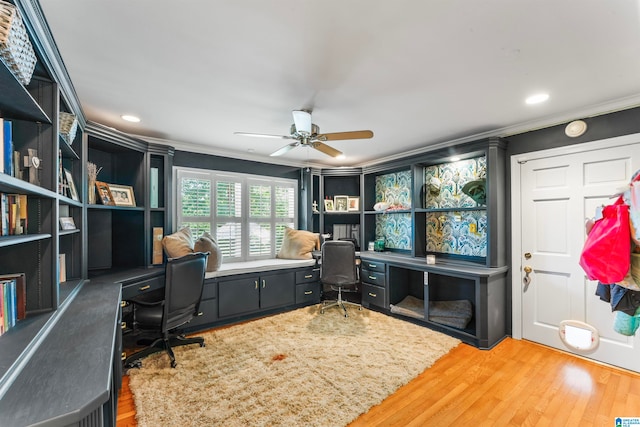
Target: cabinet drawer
(373, 295)
(308, 292)
(372, 265)
(209, 310)
(310, 275)
(373, 277)
(135, 289)
(210, 290)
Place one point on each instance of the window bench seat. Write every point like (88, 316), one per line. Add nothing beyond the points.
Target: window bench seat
(234, 268)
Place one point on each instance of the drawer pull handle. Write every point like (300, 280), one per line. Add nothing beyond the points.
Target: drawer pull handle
(372, 265)
(308, 276)
(264, 283)
(373, 295)
(123, 304)
(144, 288)
(123, 355)
(199, 313)
(123, 325)
(308, 292)
(372, 277)
(256, 282)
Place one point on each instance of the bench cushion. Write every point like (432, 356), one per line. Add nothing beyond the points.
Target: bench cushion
(232, 268)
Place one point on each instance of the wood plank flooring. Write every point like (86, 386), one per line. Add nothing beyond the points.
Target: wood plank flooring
(517, 383)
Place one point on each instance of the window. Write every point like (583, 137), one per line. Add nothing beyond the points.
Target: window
(246, 214)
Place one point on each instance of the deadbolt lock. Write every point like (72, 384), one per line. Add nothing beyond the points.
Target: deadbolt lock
(527, 255)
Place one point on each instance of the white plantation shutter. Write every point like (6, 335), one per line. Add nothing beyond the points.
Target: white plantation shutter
(228, 218)
(194, 201)
(247, 213)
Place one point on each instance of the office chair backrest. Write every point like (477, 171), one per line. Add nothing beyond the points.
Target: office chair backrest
(338, 263)
(184, 282)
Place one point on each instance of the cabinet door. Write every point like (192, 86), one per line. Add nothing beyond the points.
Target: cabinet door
(238, 296)
(277, 290)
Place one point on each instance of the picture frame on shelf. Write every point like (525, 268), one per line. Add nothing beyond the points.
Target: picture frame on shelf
(104, 193)
(341, 203)
(73, 191)
(353, 204)
(122, 195)
(328, 205)
(67, 223)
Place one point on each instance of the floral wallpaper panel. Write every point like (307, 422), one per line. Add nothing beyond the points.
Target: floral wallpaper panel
(395, 229)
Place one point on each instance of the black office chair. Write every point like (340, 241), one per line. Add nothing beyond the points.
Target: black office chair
(184, 281)
(338, 271)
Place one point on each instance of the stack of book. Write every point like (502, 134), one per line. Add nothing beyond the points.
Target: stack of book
(13, 300)
(13, 211)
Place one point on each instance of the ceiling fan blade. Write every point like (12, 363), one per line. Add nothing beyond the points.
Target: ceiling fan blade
(356, 134)
(325, 149)
(262, 135)
(285, 149)
(302, 120)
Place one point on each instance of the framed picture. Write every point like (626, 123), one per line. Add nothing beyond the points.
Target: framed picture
(67, 223)
(73, 192)
(122, 195)
(328, 205)
(104, 193)
(341, 203)
(354, 204)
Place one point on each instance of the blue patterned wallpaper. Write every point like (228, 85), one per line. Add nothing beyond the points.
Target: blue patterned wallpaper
(453, 176)
(456, 232)
(395, 189)
(394, 228)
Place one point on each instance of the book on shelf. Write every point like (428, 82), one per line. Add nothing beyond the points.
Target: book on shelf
(17, 214)
(21, 292)
(13, 300)
(4, 211)
(154, 187)
(157, 245)
(63, 268)
(8, 147)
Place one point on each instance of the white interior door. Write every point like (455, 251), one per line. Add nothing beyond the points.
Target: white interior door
(557, 193)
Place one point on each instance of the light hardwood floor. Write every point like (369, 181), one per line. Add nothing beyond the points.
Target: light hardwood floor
(517, 383)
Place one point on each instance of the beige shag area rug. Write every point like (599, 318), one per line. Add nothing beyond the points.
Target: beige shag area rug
(299, 368)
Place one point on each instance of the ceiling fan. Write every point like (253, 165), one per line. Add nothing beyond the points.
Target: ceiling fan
(305, 133)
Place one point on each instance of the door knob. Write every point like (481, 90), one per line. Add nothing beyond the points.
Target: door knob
(527, 269)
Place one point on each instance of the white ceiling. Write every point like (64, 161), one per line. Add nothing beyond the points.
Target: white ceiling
(417, 73)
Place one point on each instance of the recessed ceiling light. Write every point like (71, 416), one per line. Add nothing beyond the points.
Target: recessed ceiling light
(130, 118)
(537, 98)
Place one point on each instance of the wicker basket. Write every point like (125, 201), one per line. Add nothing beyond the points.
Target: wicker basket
(15, 47)
(68, 124)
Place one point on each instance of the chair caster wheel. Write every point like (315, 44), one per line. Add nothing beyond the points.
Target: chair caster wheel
(321, 311)
(174, 364)
(134, 364)
(201, 344)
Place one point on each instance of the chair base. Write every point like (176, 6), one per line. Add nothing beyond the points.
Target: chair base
(340, 303)
(161, 344)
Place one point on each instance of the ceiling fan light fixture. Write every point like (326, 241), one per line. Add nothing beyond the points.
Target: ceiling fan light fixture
(302, 120)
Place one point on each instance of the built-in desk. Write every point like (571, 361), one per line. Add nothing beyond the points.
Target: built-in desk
(389, 279)
(73, 376)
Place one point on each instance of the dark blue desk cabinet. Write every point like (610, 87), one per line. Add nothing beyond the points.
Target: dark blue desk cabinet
(387, 278)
